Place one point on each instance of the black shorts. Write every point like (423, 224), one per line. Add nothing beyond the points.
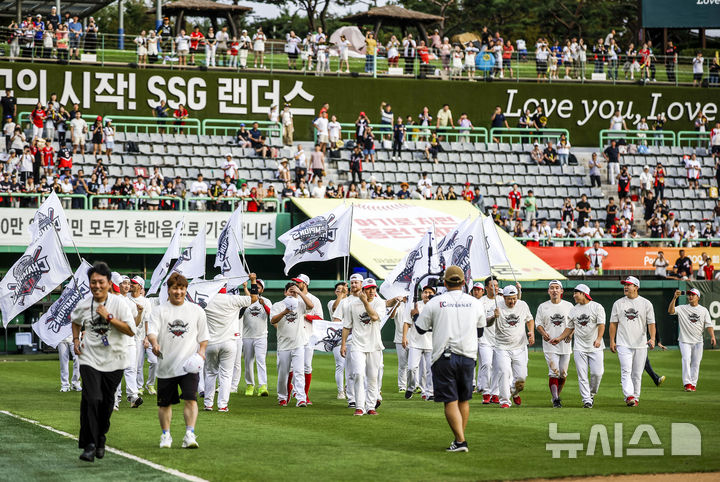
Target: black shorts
(317, 172)
(541, 67)
(715, 149)
(453, 378)
(697, 76)
(506, 62)
(167, 389)
(293, 55)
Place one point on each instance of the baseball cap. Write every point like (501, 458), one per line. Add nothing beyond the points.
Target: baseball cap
(116, 280)
(478, 284)
(302, 278)
(227, 154)
(454, 274)
(356, 277)
(125, 278)
(510, 290)
(694, 291)
(631, 280)
(430, 287)
(555, 282)
(193, 364)
(369, 283)
(260, 282)
(290, 303)
(138, 280)
(584, 289)
(495, 206)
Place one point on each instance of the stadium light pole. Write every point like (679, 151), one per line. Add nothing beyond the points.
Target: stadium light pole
(57, 7)
(158, 14)
(121, 25)
(18, 11)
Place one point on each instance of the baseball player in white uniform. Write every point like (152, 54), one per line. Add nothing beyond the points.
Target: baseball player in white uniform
(632, 317)
(419, 348)
(356, 281)
(142, 344)
(361, 316)
(316, 313)
(254, 339)
(586, 321)
(551, 320)
(222, 314)
(121, 287)
(511, 319)
(65, 354)
(341, 292)
(288, 316)
(692, 320)
(487, 380)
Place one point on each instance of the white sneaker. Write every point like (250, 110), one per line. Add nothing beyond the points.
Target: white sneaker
(341, 396)
(77, 387)
(165, 440)
(189, 441)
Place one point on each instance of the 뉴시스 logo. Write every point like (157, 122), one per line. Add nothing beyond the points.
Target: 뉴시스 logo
(314, 234)
(685, 439)
(27, 274)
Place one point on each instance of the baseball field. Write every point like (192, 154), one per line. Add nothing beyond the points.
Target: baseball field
(259, 440)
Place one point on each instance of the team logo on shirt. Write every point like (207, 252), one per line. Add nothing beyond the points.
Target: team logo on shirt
(583, 320)
(178, 328)
(255, 310)
(365, 318)
(99, 325)
(315, 233)
(291, 317)
(60, 311)
(27, 274)
(557, 319)
(694, 317)
(631, 314)
(512, 319)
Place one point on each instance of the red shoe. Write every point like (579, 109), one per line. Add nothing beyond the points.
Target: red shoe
(692, 388)
(631, 402)
(494, 399)
(424, 397)
(486, 399)
(282, 403)
(358, 413)
(372, 412)
(505, 405)
(517, 400)
(688, 387)
(309, 403)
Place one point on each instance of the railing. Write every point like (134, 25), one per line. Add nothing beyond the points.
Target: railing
(417, 133)
(131, 202)
(229, 127)
(693, 139)
(40, 197)
(183, 203)
(518, 135)
(654, 138)
(278, 206)
(625, 242)
(136, 124)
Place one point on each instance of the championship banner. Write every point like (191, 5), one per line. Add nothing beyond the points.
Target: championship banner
(54, 326)
(326, 335)
(383, 232)
(50, 214)
(623, 258)
(139, 229)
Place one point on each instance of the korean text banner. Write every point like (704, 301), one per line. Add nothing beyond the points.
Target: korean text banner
(623, 258)
(384, 231)
(139, 229)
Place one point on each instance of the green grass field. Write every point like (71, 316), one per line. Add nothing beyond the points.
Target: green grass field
(259, 440)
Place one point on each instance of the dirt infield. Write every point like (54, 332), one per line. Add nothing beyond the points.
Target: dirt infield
(696, 476)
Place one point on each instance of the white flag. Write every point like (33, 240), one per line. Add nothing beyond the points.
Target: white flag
(232, 265)
(496, 250)
(54, 326)
(50, 213)
(321, 238)
(235, 223)
(402, 279)
(201, 292)
(468, 251)
(191, 262)
(39, 271)
(326, 335)
(173, 252)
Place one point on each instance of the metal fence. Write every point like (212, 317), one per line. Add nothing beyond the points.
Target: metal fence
(624, 242)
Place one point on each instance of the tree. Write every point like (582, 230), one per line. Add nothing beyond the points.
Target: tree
(316, 11)
(136, 17)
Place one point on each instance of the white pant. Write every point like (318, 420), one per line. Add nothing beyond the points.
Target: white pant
(219, 359)
(486, 381)
(237, 367)
(243, 58)
(510, 368)
(613, 169)
(349, 375)
(210, 51)
(366, 366)
(291, 361)
(142, 353)
(691, 354)
(557, 364)
(254, 352)
(37, 131)
(402, 354)
(632, 365)
(414, 373)
(309, 352)
(594, 361)
(131, 389)
(339, 369)
(65, 353)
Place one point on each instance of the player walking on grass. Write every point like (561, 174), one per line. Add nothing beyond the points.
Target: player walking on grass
(141, 341)
(361, 316)
(179, 335)
(456, 321)
(402, 351)
(356, 281)
(254, 338)
(222, 314)
(121, 288)
(419, 349)
(287, 316)
(511, 341)
(315, 313)
(551, 320)
(65, 354)
(107, 323)
(341, 293)
(692, 320)
(586, 322)
(632, 317)
(487, 380)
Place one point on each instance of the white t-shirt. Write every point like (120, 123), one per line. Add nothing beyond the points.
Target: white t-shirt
(133, 312)
(693, 168)
(510, 326)
(399, 323)
(632, 317)
(415, 339)
(692, 321)
(317, 311)
(290, 329)
(488, 338)
(366, 333)
(255, 320)
(334, 131)
(179, 330)
(322, 126)
(79, 127)
(182, 42)
(199, 187)
(229, 169)
(454, 318)
(141, 330)
(584, 319)
(94, 353)
(554, 319)
(596, 257)
(616, 123)
(222, 314)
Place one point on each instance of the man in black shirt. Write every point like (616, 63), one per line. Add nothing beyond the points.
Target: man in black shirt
(650, 203)
(79, 187)
(550, 155)
(165, 32)
(612, 156)
(583, 209)
(126, 189)
(683, 265)
(356, 159)
(9, 105)
(54, 19)
(255, 136)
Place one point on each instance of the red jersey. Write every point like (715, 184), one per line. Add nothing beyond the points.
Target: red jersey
(467, 195)
(424, 54)
(507, 51)
(644, 56)
(515, 197)
(195, 39)
(47, 155)
(38, 117)
(708, 269)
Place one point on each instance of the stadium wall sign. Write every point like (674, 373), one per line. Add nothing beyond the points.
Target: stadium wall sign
(583, 109)
(623, 258)
(139, 229)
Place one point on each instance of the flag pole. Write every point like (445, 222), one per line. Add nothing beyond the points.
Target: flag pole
(346, 259)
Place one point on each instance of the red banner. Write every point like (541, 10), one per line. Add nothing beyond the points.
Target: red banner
(622, 258)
